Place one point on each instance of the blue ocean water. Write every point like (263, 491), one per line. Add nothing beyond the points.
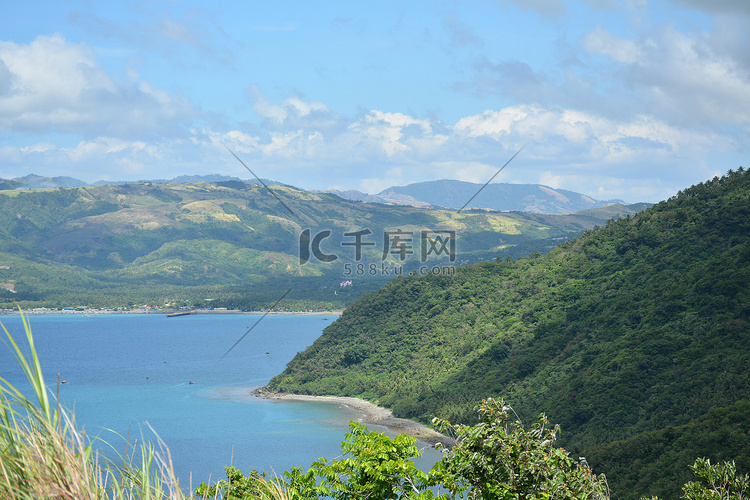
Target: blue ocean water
(124, 373)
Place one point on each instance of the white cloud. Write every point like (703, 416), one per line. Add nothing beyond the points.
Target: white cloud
(492, 123)
(679, 78)
(621, 50)
(293, 112)
(106, 146)
(567, 148)
(394, 134)
(41, 147)
(552, 180)
(52, 84)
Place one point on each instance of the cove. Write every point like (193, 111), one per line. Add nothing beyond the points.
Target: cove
(130, 373)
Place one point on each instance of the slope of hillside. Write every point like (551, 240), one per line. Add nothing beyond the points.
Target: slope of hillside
(533, 198)
(634, 337)
(191, 241)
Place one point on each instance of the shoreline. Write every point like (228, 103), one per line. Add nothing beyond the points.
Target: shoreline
(94, 312)
(371, 414)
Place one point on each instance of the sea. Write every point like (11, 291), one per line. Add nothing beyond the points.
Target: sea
(186, 381)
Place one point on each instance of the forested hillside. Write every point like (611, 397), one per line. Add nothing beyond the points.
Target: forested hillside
(215, 243)
(635, 338)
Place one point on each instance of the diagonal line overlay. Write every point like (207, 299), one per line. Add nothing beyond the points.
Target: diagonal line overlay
(261, 181)
(485, 184)
(256, 323)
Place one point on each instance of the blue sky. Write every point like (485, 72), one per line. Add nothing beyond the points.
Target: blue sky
(629, 99)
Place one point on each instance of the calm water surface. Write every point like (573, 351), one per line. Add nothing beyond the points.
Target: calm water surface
(126, 372)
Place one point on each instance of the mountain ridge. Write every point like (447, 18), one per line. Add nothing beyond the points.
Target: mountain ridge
(535, 198)
(445, 193)
(145, 240)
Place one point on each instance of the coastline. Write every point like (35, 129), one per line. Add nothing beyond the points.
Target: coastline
(371, 414)
(97, 312)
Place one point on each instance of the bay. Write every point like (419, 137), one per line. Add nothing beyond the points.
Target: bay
(130, 373)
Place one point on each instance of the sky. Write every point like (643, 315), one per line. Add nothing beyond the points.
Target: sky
(616, 99)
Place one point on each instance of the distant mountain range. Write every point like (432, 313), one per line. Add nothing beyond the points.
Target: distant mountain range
(446, 193)
(33, 181)
(534, 198)
(115, 243)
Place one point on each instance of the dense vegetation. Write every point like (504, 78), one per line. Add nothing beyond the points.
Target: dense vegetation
(215, 243)
(635, 337)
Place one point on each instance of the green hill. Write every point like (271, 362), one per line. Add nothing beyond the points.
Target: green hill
(230, 243)
(635, 338)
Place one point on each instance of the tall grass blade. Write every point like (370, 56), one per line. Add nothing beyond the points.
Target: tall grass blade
(44, 455)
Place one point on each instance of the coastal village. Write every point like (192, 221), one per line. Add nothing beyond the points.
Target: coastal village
(151, 309)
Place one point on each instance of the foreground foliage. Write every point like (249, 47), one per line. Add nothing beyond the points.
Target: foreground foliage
(496, 459)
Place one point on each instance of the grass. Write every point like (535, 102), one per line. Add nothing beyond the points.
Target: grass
(44, 455)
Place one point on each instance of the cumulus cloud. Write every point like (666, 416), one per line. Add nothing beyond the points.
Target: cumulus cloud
(293, 112)
(52, 84)
(696, 78)
(394, 135)
(567, 147)
(303, 142)
(679, 78)
(379, 149)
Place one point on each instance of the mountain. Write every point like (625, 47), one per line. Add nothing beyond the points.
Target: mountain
(444, 193)
(354, 195)
(238, 244)
(511, 197)
(33, 181)
(634, 337)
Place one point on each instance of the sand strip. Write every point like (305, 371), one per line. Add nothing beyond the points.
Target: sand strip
(371, 414)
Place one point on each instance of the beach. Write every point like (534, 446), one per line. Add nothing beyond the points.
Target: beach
(371, 414)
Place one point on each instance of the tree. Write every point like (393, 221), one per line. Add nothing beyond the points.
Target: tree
(377, 467)
(495, 459)
(718, 482)
(499, 459)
